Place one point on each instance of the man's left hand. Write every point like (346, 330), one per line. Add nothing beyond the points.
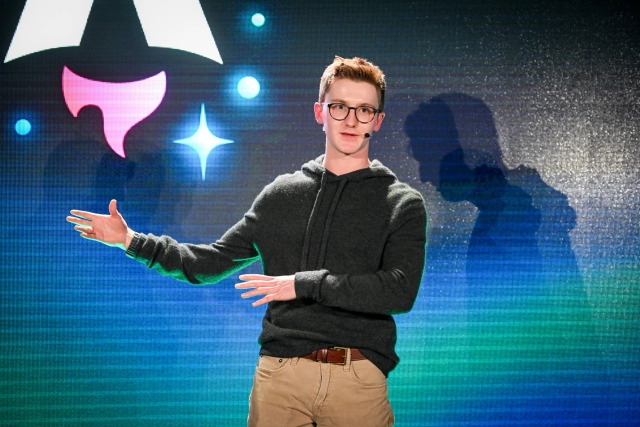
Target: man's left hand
(278, 288)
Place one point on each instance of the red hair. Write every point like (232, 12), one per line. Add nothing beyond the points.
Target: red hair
(356, 69)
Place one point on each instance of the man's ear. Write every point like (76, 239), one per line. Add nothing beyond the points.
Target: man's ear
(317, 109)
(379, 119)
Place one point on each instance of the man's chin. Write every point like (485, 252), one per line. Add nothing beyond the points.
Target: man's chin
(350, 151)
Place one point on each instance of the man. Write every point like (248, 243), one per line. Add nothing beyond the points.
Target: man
(342, 243)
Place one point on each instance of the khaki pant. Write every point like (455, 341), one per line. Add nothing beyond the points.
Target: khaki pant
(303, 393)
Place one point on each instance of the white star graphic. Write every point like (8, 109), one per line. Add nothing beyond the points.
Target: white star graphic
(203, 141)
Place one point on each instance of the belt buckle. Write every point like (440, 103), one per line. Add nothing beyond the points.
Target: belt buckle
(344, 358)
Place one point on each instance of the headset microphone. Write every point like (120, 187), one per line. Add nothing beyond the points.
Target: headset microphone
(367, 135)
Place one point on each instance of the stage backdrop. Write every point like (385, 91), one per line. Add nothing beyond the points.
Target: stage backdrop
(517, 122)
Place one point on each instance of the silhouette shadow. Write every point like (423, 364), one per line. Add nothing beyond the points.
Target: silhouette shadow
(524, 292)
(465, 164)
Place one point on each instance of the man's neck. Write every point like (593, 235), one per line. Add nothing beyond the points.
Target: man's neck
(340, 165)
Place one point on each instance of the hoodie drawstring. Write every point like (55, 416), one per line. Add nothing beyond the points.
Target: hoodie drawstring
(312, 220)
(327, 226)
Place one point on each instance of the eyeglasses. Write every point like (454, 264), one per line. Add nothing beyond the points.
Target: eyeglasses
(339, 111)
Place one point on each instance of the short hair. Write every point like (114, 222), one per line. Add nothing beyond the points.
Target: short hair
(356, 69)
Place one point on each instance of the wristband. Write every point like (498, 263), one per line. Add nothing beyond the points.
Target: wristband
(133, 246)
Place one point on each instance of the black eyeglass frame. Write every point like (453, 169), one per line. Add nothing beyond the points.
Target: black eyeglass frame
(355, 111)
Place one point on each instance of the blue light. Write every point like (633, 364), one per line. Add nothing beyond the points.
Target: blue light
(23, 127)
(248, 87)
(258, 19)
(203, 141)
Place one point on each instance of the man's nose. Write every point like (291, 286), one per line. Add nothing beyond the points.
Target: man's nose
(351, 118)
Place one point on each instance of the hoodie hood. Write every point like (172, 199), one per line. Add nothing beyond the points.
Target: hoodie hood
(375, 170)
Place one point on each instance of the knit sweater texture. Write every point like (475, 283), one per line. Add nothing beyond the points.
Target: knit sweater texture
(355, 242)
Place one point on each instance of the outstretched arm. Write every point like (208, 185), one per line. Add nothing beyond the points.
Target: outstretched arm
(196, 264)
(111, 230)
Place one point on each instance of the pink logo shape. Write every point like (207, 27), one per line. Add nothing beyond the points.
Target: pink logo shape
(123, 105)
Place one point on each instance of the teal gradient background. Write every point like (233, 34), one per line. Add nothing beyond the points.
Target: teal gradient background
(518, 124)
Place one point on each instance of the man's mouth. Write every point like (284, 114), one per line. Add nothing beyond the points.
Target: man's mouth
(348, 134)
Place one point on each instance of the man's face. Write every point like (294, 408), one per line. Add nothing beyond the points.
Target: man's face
(346, 137)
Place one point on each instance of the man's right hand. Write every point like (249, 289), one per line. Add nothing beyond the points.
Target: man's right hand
(112, 229)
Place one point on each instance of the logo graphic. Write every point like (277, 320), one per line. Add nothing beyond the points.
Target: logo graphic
(123, 105)
(203, 141)
(174, 24)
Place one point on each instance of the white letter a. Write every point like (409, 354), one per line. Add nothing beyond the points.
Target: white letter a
(175, 24)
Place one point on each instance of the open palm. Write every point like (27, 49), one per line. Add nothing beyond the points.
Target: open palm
(111, 229)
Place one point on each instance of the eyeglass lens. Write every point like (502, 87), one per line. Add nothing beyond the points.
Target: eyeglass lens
(364, 114)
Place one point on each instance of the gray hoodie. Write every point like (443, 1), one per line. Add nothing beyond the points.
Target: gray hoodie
(356, 243)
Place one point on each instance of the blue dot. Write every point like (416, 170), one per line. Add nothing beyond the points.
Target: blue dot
(258, 19)
(23, 127)
(248, 87)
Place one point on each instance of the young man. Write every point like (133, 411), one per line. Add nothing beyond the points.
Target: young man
(342, 243)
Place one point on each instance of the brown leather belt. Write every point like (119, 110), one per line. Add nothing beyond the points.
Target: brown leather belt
(336, 355)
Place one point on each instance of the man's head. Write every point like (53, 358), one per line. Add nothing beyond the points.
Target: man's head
(356, 69)
(351, 97)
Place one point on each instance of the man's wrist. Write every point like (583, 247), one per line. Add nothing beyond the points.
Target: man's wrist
(133, 243)
(128, 238)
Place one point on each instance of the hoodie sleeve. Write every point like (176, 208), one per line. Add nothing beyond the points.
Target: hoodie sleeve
(393, 288)
(199, 264)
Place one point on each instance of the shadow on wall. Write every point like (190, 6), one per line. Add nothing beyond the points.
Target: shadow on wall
(527, 315)
(136, 185)
(522, 228)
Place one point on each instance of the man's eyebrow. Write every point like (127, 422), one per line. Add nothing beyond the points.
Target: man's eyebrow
(341, 101)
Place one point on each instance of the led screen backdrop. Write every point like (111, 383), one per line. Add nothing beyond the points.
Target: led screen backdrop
(518, 123)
